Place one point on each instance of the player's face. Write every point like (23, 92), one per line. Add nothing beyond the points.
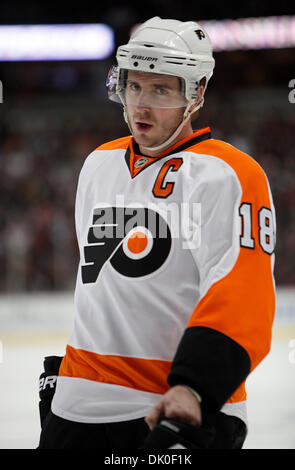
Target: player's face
(146, 93)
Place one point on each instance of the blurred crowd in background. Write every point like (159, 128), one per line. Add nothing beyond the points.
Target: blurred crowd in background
(54, 114)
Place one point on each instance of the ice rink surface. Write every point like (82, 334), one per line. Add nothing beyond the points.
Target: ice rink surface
(270, 388)
(271, 395)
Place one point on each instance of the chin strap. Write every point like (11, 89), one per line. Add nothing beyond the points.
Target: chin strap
(186, 115)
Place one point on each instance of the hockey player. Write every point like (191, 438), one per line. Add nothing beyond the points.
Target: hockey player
(175, 294)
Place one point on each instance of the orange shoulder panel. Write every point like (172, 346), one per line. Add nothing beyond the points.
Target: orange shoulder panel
(245, 167)
(121, 143)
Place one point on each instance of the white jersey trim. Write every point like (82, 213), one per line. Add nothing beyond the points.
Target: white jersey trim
(122, 404)
(99, 402)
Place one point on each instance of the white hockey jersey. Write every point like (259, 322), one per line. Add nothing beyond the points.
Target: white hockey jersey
(167, 243)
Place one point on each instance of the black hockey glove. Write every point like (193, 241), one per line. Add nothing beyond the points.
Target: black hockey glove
(47, 384)
(172, 433)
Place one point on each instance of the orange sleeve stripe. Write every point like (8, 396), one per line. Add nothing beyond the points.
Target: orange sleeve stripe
(140, 374)
(242, 304)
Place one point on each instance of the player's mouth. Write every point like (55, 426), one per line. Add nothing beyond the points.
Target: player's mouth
(143, 126)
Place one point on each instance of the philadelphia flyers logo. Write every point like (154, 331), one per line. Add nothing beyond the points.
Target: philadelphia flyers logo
(200, 34)
(136, 241)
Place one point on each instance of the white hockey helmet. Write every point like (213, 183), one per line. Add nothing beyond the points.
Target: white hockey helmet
(166, 47)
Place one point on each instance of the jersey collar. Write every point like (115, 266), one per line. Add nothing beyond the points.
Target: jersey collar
(137, 162)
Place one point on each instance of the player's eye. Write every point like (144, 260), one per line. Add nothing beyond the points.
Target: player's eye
(161, 91)
(132, 86)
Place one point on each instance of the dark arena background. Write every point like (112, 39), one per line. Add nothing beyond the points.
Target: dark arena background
(54, 110)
